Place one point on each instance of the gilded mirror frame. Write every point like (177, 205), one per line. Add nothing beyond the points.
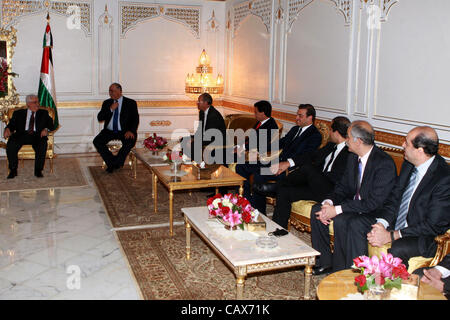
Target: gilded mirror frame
(8, 41)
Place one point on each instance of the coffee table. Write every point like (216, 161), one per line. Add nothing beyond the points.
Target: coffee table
(238, 248)
(339, 284)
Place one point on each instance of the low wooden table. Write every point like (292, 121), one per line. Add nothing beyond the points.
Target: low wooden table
(339, 284)
(239, 251)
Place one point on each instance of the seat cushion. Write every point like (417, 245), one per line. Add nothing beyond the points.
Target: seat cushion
(413, 263)
(303, 208)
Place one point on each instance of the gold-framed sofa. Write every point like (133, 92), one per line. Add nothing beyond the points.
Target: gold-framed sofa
(27, 152)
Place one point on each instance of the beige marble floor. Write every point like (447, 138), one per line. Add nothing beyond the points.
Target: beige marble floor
(58, 244)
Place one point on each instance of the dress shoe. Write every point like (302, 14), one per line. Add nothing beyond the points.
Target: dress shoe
(38, 174)
(12, 174)
(266, 189)
(110, 169)
(321, 270)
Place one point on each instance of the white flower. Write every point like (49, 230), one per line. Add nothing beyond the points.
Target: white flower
(165, 158)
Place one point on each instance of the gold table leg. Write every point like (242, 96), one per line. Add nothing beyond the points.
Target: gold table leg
(171, 212)
(240, 280)
(241, 190)
(133, 165)
(155, 191)
(308, 275)
(188, 239)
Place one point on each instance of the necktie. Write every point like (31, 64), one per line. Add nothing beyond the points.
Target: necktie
(331, 159)
(31, 125)
(299, 131)
(116, 119)
(403, 211)
(258, 125)
(357, 195)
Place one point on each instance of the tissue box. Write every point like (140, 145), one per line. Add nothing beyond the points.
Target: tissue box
(204, 173)
(259, 225)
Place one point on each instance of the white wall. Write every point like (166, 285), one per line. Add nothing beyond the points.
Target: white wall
(385, 61)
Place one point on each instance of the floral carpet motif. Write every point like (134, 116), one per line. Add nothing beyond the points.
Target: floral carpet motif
(161, 270)
(129, 201)
(66, 174)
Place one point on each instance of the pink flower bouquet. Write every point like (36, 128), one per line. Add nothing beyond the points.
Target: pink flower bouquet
(154, 142)
(232, 209)
(387, 272)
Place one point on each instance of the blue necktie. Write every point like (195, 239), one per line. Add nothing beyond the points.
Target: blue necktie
(403, 211)
(357, 195)
(116, 119)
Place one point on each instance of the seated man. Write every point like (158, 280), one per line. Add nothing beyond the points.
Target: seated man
(316, 174)
(28, 126)
(437, 277)
(121, 118)
(418, 208)
(210, 120)
(365, 185)
(301, 139)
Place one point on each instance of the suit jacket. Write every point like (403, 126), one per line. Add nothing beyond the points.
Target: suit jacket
(128, 118)
(264, 136)
(214, 121)
(378, 180)
(18, 121)
(429, 209)
(307, 142)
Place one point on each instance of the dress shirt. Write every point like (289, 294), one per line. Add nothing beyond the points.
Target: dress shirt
(421, 171)
(291, 162)
(29, 112)
(339, 148)
(444, 271)
(204, 119)
(363, 159)
(119, 109)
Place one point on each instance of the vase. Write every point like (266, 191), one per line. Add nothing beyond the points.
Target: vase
(155, 153)
(377, 293)
(227, 224)
(175, 167)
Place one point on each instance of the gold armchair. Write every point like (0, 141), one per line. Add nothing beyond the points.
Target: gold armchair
(27, 152)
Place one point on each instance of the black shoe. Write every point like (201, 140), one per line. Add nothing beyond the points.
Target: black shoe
(321, 270)
(110, 169)
(38, 174)
(266, 189)
(12, 174)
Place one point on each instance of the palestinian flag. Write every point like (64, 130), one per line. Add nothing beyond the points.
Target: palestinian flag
(46, 92)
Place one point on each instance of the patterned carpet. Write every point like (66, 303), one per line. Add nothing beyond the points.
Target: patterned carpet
(129, 202)
(162, 272)
(66, 174)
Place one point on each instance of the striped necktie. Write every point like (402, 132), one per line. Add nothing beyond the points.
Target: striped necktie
(406, 198)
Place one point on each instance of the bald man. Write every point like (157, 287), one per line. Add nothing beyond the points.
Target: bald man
(418, 208)
(365, 184)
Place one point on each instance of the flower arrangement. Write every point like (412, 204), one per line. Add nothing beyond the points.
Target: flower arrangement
(3, 76)
(154, 142)
(387, 272)
(232, 209)
(175, 156)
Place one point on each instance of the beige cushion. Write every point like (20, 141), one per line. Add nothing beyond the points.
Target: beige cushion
(303, 208)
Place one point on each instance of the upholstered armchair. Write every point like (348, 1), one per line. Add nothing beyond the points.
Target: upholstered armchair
(27, 152)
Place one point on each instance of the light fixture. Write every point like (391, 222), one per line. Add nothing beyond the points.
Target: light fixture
(203, 80)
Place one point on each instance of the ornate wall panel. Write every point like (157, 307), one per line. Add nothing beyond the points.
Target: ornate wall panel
(105, 51)
(258, 8)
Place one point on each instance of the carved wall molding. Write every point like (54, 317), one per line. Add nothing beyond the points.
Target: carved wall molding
(131, 13)
(160, 123)
(13, 10)
(384, 7)
(259, 8)
(105, 51)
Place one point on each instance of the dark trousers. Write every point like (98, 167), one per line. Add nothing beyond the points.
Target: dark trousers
(305, 183)
(106, 136)
(17, 140)
(405, 248)
(341, 258)
(357, 244)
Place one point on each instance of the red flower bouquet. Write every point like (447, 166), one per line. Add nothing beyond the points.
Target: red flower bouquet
(154, 142)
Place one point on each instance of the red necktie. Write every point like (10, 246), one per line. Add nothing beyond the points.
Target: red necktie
(259, 125)
(31, 125)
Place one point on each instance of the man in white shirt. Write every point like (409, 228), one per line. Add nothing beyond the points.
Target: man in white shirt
(366, 183)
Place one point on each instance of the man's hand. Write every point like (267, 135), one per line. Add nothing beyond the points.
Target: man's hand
(378, 236)
(6, 133)
(326, 214)
(433, 278)
(129, 135)
(44, 132)
(114, 106)
(279, 168)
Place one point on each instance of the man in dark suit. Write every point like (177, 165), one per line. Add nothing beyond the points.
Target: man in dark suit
(418, 208)
(28, 126)
(210, 133)
(121, 118)
(259, 142)
(302, 139)
(437, 277)
(316, 172)
(366, 183)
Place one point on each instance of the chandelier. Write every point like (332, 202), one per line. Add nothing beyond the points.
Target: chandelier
(203, 80)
